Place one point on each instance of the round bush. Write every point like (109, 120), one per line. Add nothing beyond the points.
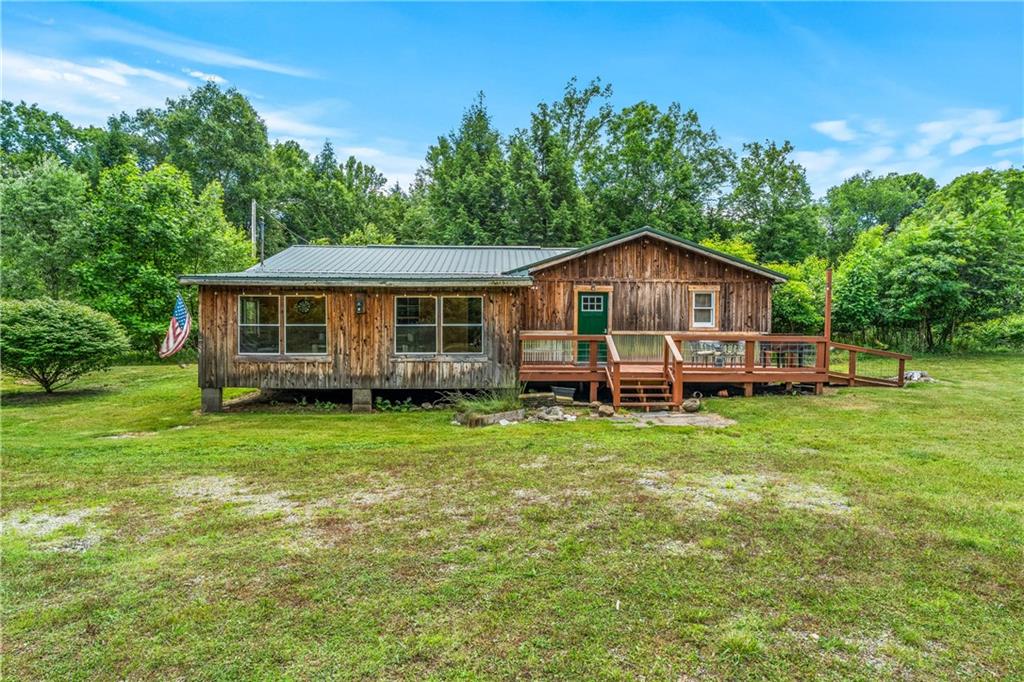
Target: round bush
(56, 342)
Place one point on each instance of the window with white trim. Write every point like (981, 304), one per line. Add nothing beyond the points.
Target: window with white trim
(589, 303)
(415, 324)
(305, 325)
(703, 309)
(462, 324)
(258, 325)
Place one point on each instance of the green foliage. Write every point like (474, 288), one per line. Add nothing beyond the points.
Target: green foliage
(485, 402)
(385, 405)
(857, 287)
(42, 210)
(369, 234)
(661, 169)
(794, 310)
(144, 229)
(865, 201)
(734, 246)
(55, 342)
(1000, 334)
(771, 204)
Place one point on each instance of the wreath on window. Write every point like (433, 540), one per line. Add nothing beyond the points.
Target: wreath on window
(304, 305)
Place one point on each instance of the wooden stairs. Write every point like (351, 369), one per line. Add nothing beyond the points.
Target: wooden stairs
(645, 390)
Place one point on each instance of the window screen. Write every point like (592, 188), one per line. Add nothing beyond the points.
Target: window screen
(416, 324)
(462, 324)
(258, 325)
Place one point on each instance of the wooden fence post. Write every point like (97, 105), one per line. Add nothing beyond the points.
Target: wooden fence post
(852, 368)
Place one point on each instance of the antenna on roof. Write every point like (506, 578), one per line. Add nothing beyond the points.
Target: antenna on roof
(263, 239)
(252, 226)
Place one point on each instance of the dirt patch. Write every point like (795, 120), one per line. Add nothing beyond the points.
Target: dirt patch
(688, 549)
(130, 434)
(73, 545)
(228, 490)
(558, 498)
(39, 525)
(368, 498)
(713, 494)
(701, 419)
(538, 463)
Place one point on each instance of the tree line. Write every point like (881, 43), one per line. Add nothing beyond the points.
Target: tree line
(108, 215)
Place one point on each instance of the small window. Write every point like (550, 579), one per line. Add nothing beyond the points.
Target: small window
(591, 304)
(704, 309)
(416, 324)
(305, 325)
(258, 325)
(462, 324)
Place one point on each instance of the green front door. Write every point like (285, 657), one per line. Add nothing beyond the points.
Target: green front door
(591, 318)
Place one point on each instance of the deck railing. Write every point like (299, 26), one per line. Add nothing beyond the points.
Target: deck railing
(702, 357)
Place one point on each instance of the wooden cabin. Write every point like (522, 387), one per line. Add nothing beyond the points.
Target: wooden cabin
(640, 313)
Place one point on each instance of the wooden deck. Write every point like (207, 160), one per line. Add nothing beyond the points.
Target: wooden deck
(652, 369)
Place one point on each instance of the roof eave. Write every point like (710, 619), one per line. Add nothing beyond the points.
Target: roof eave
(355, 282)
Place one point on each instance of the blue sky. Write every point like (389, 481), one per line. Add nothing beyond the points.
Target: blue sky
(937, 88)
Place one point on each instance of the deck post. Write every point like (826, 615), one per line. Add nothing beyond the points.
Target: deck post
(212, 399)
(828, 304)
(821, 365)
(852, 369)
(593, 391)
(748, 389)
(677, 385)
(900, 380)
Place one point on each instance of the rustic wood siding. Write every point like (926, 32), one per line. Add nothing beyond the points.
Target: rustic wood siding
(361, 347)
(649, 279)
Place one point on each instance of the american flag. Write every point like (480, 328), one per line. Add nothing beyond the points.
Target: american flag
(177, 331)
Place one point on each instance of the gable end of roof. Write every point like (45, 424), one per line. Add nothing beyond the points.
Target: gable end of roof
(729, 259)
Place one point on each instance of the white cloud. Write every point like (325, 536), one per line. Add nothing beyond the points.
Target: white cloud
(933, 147)
(203, 76)
(295, 123)
(85, 91)
(395, 165)
(174, 46)
(838, 130)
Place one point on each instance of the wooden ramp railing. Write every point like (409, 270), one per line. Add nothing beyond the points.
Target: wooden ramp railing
(852, 377)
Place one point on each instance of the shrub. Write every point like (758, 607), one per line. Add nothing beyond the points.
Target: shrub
(56, 342)
(1004, 333)
(488, 401)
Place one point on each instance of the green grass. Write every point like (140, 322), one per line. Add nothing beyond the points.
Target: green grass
(406, 547)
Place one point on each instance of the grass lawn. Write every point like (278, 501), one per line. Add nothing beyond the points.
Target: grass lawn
(867, 533)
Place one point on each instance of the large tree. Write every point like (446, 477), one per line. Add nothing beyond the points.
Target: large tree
(772, 205)
(213, 135)
(657, 168)
(144, 229)
(465, 183)
(42, 209)
(866, 200)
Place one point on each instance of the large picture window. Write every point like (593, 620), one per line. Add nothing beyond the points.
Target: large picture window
(462, 324)
(305, 325)
(258, 325)
(416, 324)
(702, 310)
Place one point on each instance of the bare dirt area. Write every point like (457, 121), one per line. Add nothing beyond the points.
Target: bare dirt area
(712, 494)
